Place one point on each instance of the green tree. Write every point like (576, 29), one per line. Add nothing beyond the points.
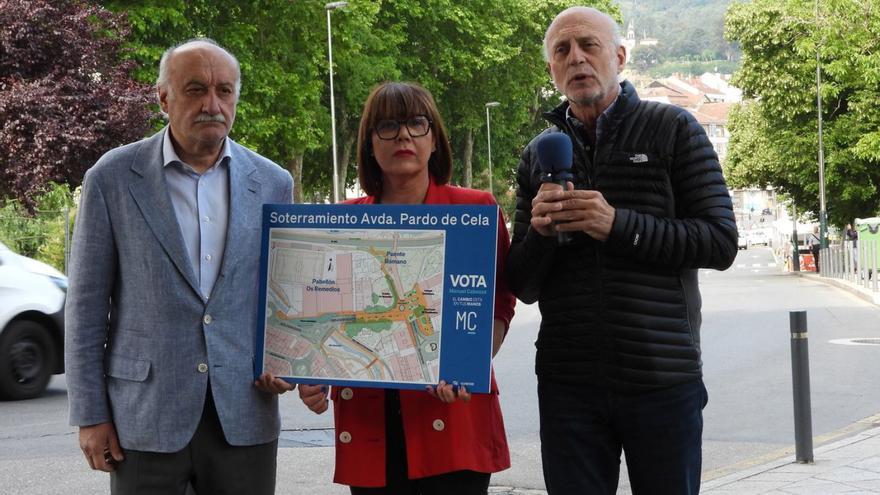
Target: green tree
(645, 57)
(775, 137)
(466, 53)
(65, 95)
(39, 234)
(278, 44)
(364, 54)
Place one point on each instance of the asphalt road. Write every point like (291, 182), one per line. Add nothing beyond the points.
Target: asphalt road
(747, 365)
(746, 350)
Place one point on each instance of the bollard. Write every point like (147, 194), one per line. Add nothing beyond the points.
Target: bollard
(873, 273)
(800, 381)
(860, 267)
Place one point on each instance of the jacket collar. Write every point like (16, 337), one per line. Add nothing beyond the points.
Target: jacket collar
(150, 193)
(435, 195)
(626, 103)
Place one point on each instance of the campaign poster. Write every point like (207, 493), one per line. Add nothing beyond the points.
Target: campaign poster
(390, 296)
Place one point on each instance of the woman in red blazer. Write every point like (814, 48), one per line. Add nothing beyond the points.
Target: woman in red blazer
(440, 440)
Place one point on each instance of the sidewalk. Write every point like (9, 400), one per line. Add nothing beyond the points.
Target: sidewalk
(851, 465)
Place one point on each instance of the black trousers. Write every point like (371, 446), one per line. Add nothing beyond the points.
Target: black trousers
(584, 428)
(208, 465)
(397, 481)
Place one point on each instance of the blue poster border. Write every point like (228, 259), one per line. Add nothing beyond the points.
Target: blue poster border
(468, 279)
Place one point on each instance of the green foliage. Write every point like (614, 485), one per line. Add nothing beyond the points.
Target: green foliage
(775, 138)
(466, 53)
(696, 67)
(66, 98)
(685, 29)
(39, 235)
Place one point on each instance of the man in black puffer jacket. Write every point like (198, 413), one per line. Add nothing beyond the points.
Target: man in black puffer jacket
(618, 358)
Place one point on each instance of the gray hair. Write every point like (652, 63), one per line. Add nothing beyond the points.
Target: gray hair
(162, 80)
(615, 28)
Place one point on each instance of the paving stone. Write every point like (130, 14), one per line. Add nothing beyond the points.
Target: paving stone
(871, 463)
(782, 476)
(860, 450)
(846, 474)
(872, 485)
(748, 487)
(821, 465)
(820, 487)
(509, 490)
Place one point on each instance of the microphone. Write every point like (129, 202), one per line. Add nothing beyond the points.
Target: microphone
(554, 158)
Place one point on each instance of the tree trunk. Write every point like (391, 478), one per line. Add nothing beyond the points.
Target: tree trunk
(344, 159)
(295, 167)
(468, 157)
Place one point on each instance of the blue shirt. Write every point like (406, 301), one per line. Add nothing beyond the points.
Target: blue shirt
(201, 204)
(581, 128)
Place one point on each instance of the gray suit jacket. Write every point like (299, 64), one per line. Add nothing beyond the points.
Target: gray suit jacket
(141, 345)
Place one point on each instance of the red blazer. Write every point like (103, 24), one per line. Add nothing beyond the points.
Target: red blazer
(440, 438)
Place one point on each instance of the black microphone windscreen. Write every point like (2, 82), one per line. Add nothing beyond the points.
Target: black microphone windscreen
(554, 153)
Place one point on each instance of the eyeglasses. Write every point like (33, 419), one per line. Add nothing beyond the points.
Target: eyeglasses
(417, 126)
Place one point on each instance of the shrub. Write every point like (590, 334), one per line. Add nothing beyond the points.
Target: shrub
(39, 235)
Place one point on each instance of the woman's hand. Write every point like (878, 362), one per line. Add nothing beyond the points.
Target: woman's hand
(267, 382)
(314, 397)
(447, 393)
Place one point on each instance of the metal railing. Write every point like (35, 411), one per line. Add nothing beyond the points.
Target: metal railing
(852, 261)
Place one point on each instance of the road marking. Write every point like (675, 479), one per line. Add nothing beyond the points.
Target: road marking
(856, 341)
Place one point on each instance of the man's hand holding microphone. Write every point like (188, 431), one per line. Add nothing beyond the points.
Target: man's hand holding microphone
(558, 209)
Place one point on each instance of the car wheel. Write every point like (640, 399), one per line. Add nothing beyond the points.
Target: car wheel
(26, 356)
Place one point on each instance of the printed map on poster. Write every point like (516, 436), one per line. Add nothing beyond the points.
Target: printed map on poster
(388, 296)
(355, 304)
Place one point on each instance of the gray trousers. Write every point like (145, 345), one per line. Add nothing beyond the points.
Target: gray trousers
(208, 465)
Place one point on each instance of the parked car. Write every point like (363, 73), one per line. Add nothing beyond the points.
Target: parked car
(758, 237)
(742, 241)
(32, 296)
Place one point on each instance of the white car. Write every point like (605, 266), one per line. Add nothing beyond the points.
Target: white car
(759, 237)
(32, 296)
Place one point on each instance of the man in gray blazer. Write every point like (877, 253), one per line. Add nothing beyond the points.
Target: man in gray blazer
(161, 313)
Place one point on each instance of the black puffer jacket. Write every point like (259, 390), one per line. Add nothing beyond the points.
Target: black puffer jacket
(625, 313)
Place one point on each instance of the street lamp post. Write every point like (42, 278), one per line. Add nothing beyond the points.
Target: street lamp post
(330, 7)
(795, 255)
(491, 104)
(823, 214)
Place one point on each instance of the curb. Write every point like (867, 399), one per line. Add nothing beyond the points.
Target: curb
(748, 473)
(866, 294)
(509, 490)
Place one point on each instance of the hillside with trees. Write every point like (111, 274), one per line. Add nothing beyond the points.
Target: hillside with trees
(689, 34)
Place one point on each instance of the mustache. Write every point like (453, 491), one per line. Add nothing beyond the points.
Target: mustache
(204, 117)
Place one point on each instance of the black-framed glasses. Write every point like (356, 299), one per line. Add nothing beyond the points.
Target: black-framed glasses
(418, 126)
